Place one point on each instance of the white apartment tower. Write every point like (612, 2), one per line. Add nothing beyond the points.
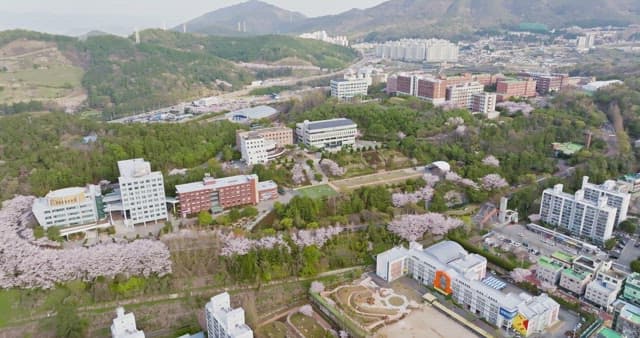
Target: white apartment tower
(615, 195)
(333, 133)
(142, 192)
(581, 213)
(223, 321)
(347, 89)
(69, 207)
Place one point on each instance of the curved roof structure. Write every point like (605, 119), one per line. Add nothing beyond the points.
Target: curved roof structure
(446, 251)
(442, 165)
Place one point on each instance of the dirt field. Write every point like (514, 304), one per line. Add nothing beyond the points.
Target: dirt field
(377, 179)
(425, 322)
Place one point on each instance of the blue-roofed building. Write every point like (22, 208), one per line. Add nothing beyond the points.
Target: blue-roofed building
(334, 133)
(248, 115)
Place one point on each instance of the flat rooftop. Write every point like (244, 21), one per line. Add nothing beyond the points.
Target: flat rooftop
(333, 123)
(216, 184)
(549, 263)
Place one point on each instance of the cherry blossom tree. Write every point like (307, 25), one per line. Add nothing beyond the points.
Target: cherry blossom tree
(401, 199)
(317, 237)
(316, 287)
(306, 310)
(297, 174)
(333, 168)
(491, 161)
(430, 179)
(240, 245)
(493, 182)
(454, 177)
(413, 227)
(520, 275)
(26, 263)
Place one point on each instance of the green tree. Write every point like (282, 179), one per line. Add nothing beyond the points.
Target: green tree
(227, 153)
(610, 243)
(311, 261)
(68, 324)
(204, 218)
(53, 233)
(249, 212)
(635, 265)
(38, 232)
(437, 203)
(629, 226)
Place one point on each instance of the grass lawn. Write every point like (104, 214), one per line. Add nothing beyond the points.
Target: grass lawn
(272, 330)
(308, 326)
(387, 177)
(317, 191)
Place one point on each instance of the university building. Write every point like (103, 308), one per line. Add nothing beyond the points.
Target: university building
(346, 89)
(262, 145)
(333, 133)
(142, 194)
(215, 194)
(69, 207)
(451, 270)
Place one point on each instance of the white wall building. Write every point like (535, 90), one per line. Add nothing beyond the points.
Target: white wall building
(333, 133)
(323, 36)
(451, 270)
(346, 89)
(69, 207)
(253, 149)
(124, 325)
(616, 197)
(418, 50)
(223, 321)
(262, 145)
(604, 288)
(584, 218)
(461, 95)
(142, 192)
(484, 103)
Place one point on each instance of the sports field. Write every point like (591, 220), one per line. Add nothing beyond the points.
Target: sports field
(317, 191)
(385, 177)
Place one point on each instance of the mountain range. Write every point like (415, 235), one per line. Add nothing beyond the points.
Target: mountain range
(417, 18)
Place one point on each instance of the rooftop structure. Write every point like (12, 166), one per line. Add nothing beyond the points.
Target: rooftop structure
(451, 270)
(631, 289)
(262, 145)
(251, 114)
(631, 182)
(224, 321)
(124, 325)
(563, 257)
(597, 85)
(566, 148)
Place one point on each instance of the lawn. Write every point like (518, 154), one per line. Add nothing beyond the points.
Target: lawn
(387, 177)
(40, 84)
(272, 330)
(317, 191)
(308, 326)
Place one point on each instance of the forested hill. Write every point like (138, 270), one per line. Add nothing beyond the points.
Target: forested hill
(118, 77)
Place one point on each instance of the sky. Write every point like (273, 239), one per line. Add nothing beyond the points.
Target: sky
(120, 16)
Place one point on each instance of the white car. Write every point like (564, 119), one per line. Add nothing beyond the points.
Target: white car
(516, 244)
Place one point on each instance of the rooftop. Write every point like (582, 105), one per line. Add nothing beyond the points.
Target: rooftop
(567, 148)
(631, 313)
(633, 279)
(136, 167)
(267, 185)
(562, 256)
(549, 263)
(215, 183)
(254, 113)
(606, 332)
(333, 123)
(575, 274)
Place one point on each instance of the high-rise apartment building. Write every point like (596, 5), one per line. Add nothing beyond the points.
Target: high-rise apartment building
(224, 321)
(507, 88)
(141, 192)
(461, 95)
(582, 217)
(69, 207)
(483, 103)
(333, 133)
(615, 196)
(221, 193)
(347, 89)
(418, 50)
(451, 270)
(124, 325)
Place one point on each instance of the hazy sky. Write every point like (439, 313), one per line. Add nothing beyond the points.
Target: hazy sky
(74, 16)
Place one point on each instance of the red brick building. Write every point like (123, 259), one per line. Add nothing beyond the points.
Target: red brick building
(506, 89)
(222, 193)
(432, 90)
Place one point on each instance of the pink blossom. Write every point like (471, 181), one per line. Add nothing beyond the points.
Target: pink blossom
(297, 174)
(316, 287)
(491, 161)
(332, 167)
(402, 199)
(519, 274)
(493, 182)
(413, 227)
(306, 310)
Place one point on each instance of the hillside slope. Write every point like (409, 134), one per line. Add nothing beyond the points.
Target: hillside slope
(247, 18)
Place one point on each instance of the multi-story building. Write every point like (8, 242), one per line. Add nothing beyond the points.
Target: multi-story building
(604, 288)
(69, 207)
(461, 95)
(583, 218)
(626, 319)
(547, 82)
(631, 288)
(483, 103)
(124, 325)
(574, 280)
(261, 145)
(223, 321)
(549, 270)
(347, 89)
(507, 88)
(614, 195)
(563, 258)
(431, 90)
(333, 133)
(451, 270)
(141, 192)
(213, 194)
(418, 50)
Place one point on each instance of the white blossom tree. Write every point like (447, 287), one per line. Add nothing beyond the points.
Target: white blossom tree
(316, 287)
(494, 182)
(413, 227)
(306, 310)
(332, 168)
(297, 174)
(520, 275)
(491, 160)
